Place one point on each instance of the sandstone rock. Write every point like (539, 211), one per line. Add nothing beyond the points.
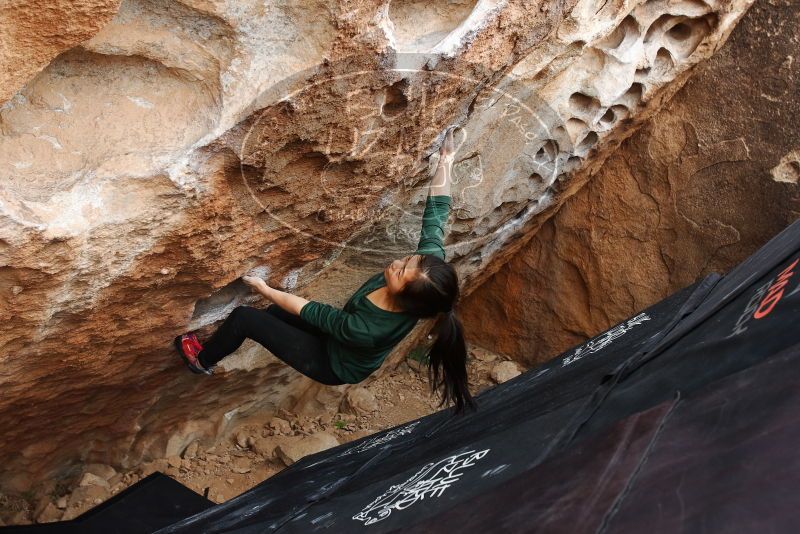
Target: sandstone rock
(159, 465)
(61, 503)
(265, 447)
(34, 32)
(74, 511)
(84, 495)
(280, 426)
(359, 401)
(174, 461)
(90, 479)
(243, 439)
(103, 471)
(692, 192)
(49, 514)
(504, 371)
(169, 126)
(291, 449)
(482, 354)
(191, 450)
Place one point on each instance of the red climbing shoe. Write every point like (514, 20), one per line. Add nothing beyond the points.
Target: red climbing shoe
(188, 346)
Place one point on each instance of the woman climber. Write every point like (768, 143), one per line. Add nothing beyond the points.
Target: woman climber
(337, 346)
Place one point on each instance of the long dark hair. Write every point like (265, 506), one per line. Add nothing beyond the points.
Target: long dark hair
(434, 294)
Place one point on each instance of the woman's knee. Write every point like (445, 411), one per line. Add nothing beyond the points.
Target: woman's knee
(241, 312)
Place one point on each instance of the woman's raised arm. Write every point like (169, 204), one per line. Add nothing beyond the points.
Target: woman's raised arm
(443, 178)
(437, 205)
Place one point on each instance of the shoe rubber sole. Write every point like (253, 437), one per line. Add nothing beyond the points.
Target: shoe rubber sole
(193, 368)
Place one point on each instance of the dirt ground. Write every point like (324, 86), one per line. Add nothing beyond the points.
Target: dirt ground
(258, 450)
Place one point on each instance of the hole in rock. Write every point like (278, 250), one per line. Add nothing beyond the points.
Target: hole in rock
(656, 29)
(562, 139)
(572, 163)
(582, 104)
(684, 38)
(394, 100)
(663, 61)
(547, 152)
(576, 128)
(608, 118)
(680, 32)
(623, 36)
(632, 97)
(620, 112)
(681, 35)
(419, 25)
(588, 142)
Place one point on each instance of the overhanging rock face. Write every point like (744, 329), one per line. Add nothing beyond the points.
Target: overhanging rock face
(682, 417)
(695, 190)
(188, 142)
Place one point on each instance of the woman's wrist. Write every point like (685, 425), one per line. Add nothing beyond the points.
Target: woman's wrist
(267, 292)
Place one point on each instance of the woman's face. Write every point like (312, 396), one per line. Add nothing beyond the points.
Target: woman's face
(400, 272)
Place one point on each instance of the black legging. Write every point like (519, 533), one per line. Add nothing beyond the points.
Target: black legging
(284, 334)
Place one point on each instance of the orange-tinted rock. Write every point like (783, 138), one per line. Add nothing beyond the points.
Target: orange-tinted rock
(692, 192)
(33, 32)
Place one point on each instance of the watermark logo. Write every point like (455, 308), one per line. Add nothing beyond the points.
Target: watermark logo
(382, 439)
(429, 482)
(338, 153)
(605, 339)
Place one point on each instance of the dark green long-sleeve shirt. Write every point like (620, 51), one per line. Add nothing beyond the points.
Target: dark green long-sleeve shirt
(361, 334)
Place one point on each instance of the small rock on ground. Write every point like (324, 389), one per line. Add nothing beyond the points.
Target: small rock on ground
(292, 449)
(504, 371)
(90, 479)
(103, 471)
(50, 514)
(280, 426)
(359, 401)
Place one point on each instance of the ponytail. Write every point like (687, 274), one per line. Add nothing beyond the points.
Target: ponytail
(447, 364)
(433, 294)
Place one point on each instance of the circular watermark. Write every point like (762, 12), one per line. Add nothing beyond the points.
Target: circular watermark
(340, 153)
